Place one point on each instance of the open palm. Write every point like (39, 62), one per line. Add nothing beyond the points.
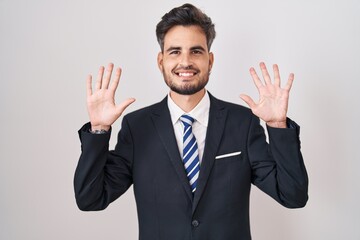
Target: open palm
(273, 100)
(103, 111)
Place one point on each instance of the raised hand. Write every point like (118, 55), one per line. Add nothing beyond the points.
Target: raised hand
(273, 103)
(103, 111)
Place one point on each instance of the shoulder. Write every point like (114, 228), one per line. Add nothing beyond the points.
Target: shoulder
(236, 114)
(146, 112)
(232, 108)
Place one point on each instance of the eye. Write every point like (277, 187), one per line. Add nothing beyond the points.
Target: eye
(175, 52)
(197, 52)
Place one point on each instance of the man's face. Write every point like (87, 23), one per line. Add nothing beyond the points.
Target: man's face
(185, 61)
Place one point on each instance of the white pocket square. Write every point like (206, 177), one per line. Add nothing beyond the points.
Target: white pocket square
(228, 155)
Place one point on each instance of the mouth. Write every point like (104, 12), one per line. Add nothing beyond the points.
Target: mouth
(186, 74)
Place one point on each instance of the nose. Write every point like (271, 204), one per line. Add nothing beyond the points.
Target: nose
(185, 61)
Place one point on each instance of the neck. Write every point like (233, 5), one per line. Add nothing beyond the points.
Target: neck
(187, 102)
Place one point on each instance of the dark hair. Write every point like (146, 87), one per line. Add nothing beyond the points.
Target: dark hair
(185, 15)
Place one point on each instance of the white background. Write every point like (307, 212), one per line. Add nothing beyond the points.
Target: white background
(47, 48)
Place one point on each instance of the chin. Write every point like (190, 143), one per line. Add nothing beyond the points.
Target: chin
(186, 88)
(189, 90)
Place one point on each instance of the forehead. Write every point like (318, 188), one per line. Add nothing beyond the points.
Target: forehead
(185, 36)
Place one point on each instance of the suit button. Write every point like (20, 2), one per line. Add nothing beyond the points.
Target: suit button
(195, 223)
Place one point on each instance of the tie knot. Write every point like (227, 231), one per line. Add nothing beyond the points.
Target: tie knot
(187, 120)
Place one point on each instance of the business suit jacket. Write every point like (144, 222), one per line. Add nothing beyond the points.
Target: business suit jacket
(147, 156)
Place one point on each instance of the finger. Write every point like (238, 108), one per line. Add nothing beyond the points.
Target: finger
(255, 78)
(99, 78)
(276, 75)
(115, 82)
(249, 101)
(265, 73)
(106, 80)
(88, 86)
(120, 108)
(289, 82)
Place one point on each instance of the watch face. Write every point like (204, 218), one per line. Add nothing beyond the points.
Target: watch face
(101, 131)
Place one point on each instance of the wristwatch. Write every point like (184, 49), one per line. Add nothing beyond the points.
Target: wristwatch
(101, 131)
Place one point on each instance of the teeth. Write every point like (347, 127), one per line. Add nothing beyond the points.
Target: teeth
(186, 74)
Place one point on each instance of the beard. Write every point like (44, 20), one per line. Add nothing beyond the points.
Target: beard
(188, 88)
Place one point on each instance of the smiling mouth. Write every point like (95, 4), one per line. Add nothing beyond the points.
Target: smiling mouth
(185, 74)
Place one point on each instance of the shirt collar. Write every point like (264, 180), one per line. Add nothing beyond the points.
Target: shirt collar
(200, 112)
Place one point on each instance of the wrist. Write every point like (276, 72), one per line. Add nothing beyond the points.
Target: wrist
(97, 128)
(102, 131)
(280, 124)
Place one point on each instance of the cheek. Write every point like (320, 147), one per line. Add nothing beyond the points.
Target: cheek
(168, 67)
(205, 68)
(203, 64)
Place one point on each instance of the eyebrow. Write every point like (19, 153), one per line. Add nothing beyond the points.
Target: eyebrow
(172, 49)
(198, 48)
(179, 48)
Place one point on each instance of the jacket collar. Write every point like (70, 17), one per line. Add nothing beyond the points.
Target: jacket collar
(163, 124)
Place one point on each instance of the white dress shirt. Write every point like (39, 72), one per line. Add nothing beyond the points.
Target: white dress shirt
(201, 115)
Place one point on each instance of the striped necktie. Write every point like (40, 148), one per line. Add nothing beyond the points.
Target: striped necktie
(190, 152)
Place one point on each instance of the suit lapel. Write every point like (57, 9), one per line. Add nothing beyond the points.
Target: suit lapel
(162, 121)
(217, 117)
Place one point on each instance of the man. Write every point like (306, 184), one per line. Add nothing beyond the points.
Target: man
(191, 158)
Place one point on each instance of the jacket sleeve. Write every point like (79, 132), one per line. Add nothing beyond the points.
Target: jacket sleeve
(277, 167)
(101, 175)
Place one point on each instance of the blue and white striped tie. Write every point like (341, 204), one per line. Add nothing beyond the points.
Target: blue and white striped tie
(190, 152)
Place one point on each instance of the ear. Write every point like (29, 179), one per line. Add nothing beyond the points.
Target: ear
(211, 60)
(160, 60)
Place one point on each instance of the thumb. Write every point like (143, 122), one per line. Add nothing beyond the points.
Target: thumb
(248, 100)
(121, 107)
